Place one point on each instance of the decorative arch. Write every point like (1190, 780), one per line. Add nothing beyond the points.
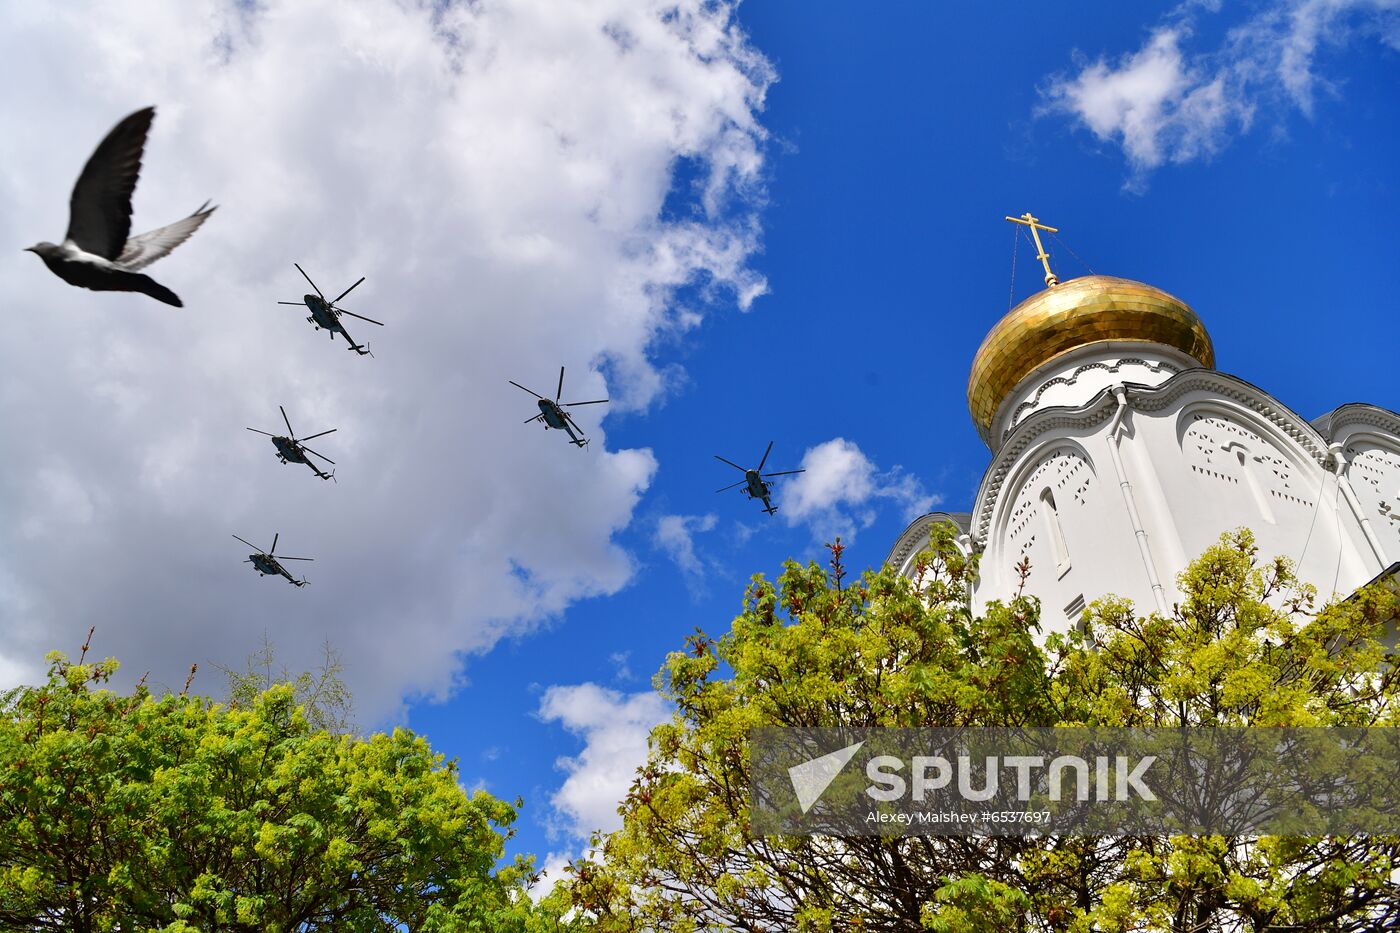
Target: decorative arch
(1224, 445)
(1375, 478)
(1047, 494)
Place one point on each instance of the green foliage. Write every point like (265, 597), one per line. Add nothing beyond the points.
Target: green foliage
(1244, 648)
(175, 813)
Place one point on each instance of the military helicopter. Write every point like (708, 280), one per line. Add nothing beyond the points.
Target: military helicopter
(292, 450)
(553, 415)
(324, 314)
(265, 564)
(753, 481)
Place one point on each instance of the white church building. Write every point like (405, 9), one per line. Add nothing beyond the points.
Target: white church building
(1119, 453)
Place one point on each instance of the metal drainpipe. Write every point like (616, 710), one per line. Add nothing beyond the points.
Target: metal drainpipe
(1341, 466)
(1115, 431)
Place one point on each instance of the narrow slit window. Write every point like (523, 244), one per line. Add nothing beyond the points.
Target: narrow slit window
(1251, 480)
(1054, 531)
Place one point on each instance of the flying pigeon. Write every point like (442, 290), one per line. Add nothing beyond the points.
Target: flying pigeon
(96, 253)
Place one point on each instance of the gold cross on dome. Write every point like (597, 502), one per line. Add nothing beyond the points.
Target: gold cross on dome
(1026, 220)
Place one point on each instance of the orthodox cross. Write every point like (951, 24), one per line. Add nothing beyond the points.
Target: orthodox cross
(1026, 220)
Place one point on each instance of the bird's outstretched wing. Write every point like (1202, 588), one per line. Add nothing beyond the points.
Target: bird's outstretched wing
(99, 213)
(141, 251)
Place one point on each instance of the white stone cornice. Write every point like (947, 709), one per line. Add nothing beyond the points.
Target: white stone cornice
(1371, 416)
(1252, 397)
(1073, 377)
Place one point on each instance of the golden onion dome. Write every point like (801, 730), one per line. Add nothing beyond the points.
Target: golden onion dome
(1071, 315)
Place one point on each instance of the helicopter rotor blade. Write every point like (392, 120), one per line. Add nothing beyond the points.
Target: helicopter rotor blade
(731, 463)
(268, 433)
(322, 456)
(560, 394)
(251, 545)
(298, 304)
(288, 421)
(730, 486)
(360, 316)
(308, 278)
(275, 536)
(765, 456)
(347, 291)
(536, 418)
(519, 386)
(599, 401)
(785, 473)
(322, 434)
(296, 558)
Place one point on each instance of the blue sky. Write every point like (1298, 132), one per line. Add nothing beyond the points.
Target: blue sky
(786, 227)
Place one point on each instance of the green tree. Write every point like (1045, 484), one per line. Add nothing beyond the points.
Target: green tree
(1245, 647)
(176, 813)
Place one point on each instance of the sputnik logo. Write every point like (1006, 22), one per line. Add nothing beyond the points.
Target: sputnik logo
(811, 779)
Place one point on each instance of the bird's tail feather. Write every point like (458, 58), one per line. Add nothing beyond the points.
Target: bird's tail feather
(149, 286)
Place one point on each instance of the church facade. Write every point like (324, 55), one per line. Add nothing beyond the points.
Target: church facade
(1119, 454)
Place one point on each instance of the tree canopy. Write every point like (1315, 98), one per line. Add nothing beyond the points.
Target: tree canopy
(131, 811)
(1246, 647)
(177, 813)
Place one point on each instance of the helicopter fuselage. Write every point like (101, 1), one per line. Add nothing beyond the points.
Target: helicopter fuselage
(321, 313)
(756, 488)
(553, 415)
(326, 317)
(266, 565)
(754, 485)
(288, 450)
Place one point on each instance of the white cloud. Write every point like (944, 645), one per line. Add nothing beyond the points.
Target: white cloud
(614, 727)
(675, 536)
(1287, 39)
(1153, 103)
(1161, 104)
(497, 172)
(551, 871)
(839, 492)
(622, 669)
